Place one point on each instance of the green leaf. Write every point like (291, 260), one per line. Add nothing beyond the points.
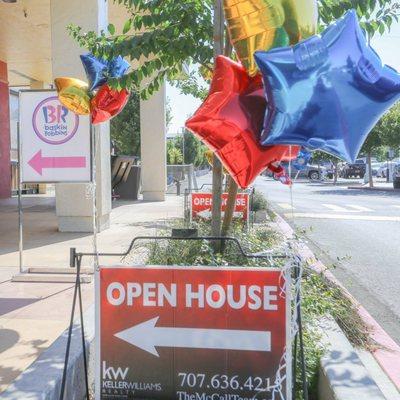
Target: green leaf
(127, 26)
(111, 29)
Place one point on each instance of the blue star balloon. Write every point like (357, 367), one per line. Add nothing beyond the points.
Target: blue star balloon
(326, 92)
(99, 70)
(302, 160)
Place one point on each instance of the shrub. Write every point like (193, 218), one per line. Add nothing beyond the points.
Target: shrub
(259, 202)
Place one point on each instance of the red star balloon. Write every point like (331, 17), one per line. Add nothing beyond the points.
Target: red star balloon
(230, 120)
(107, 103)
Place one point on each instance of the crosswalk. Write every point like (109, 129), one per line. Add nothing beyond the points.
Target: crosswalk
(350, 208)
(335, 209)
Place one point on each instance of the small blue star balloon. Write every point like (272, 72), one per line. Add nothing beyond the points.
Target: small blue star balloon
(302, 160)
(326, 92)
(99, 70)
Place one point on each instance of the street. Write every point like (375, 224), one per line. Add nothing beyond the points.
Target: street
(353, 231)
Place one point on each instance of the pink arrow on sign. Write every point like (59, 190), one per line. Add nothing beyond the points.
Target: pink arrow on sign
(38, 163)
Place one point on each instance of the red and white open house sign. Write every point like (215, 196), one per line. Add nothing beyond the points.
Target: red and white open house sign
(201, 205)
(193, 333)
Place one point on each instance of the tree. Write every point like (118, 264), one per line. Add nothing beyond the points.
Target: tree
(125, 128)
(174, 154)
(372, 143)
(385, 135)
(389, 127)
(168, 114)
(319, 156)
(170, 34)
(193, 149)
(375, 15)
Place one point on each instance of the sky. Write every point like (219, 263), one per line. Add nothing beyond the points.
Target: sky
(387, 46)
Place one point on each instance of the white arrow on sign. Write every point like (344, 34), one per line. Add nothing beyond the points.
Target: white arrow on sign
(147, 336)
(204, 214)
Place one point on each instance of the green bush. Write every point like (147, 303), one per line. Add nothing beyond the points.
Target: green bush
(259, 202)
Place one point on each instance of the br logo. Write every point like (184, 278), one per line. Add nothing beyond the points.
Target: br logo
(55, 114)
(53, 123)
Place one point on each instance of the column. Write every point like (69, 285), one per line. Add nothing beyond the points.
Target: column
(73, 205)
(153, 147)
(5, 163)
(38, 85)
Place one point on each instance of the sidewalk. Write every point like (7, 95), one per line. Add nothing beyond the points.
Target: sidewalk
(33, 315)
(378, 186)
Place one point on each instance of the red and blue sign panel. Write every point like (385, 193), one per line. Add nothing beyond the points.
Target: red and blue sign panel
(193, 333)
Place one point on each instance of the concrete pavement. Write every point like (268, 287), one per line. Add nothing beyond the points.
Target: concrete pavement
(33, 315)
(355, 231)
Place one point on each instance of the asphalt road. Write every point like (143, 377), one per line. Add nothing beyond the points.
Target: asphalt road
(355, 230)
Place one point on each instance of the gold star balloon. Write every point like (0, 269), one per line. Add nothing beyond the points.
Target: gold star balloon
(301, 17)
(73, 94)
(264, 24)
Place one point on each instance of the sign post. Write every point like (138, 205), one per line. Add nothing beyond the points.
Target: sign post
(54, 145)
(190, 333)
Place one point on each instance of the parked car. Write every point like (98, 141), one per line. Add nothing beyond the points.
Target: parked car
(311, 172)
(375, 166)
(382, 172)
(396, 176)
(356, 170)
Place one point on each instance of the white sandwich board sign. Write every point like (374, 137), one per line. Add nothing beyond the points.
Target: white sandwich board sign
(55, 143)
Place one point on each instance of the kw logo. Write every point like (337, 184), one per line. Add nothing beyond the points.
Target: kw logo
(114, 373)
(54, 114)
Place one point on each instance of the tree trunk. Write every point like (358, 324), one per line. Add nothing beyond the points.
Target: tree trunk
(216, 197)
(230, 206)
(217, 166)
(370, 177)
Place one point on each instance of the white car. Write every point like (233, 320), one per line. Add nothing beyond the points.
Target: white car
(375, 166)
(383, 169)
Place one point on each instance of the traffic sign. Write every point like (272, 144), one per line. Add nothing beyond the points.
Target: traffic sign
(201, 205)
(193, 333)
(55, 142)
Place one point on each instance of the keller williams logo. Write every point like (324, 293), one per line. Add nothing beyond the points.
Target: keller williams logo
(114, 373)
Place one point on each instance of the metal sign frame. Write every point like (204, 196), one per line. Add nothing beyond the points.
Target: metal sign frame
(20, 183)
(76, 260)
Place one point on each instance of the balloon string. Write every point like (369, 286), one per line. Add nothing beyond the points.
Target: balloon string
(291, 186)
(94, 198)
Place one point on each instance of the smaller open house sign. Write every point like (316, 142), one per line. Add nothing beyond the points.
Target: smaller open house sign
(201, 205)
(193, 333)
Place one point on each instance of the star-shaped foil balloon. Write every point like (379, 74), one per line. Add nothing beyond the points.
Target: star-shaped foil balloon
(107, 104)
(264, 24)
(326, 92)
(230, 120)
(99, 70)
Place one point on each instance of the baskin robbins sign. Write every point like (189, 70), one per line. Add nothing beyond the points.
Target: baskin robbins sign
(53, 123)
(55, 142)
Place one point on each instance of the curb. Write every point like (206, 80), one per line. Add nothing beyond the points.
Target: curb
(375, 188)
(388, 353)
(342, 374)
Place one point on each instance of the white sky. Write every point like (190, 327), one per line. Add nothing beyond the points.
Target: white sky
(387, 46)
